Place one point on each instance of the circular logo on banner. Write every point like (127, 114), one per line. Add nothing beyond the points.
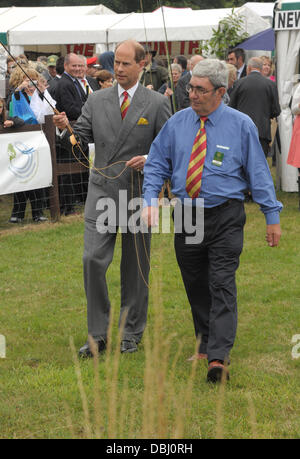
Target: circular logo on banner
(23, 161)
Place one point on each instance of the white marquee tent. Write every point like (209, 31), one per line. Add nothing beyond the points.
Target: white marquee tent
(181, 24)
(14, 17)
(287, 27)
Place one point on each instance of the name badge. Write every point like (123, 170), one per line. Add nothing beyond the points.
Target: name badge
(218, 159)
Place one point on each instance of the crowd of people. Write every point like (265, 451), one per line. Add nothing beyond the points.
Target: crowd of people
(123, 102)
(65, 82)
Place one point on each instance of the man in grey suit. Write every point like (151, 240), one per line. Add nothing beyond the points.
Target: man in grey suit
(127, 141)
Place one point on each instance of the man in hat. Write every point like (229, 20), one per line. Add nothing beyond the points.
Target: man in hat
(92, 66)
(153, 75)
(51, 67)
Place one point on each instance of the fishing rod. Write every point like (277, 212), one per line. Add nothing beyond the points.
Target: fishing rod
(168, 55)
(69, 128)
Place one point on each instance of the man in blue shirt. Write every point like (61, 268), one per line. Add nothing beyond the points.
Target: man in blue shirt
(234, 161)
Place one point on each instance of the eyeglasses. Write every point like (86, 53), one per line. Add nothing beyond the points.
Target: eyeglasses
(199, 90)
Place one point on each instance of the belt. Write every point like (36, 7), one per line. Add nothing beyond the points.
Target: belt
(215, 209)
(228, 203)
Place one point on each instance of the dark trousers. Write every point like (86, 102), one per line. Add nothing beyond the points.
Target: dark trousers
(265, 145)
(72, 187)
(36, 200)
(208, 272)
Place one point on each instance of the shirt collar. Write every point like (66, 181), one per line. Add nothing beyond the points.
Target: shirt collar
(72, 78)
(214, 116)
(130, 91)
(241, 69)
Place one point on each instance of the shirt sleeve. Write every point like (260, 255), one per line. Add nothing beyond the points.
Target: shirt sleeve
(258, 175)
(157, 167)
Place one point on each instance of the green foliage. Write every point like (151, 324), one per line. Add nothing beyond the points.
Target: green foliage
(228, 34)
(127, 6)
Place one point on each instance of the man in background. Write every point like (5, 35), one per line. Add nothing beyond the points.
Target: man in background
(153, 76)
(237, 57)
(257, 96)
(182, 95)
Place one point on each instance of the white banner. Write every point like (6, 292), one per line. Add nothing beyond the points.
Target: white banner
(287, 20)
(25, 162)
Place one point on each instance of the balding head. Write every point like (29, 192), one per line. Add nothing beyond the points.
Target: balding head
(195, 59)
(139, 50)
(255, 63)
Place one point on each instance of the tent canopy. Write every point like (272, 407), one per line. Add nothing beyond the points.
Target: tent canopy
(264, 40)
(181, 24)
(14, 16)
(264, 10)
(41, 30)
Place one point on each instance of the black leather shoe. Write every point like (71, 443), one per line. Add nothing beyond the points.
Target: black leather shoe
(128, 346)
(217, 372)
(15, 220)
(40, 219)
(85, 351)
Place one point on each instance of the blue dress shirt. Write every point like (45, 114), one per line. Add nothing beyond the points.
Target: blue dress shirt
(234, 160)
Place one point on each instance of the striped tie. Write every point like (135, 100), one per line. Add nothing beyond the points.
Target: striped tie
(125, 105)
(195, 169)
(86, 87)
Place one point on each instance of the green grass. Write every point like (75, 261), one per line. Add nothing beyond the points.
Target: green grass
(154, 393)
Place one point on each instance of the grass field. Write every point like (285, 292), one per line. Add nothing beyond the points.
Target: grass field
(155, 393)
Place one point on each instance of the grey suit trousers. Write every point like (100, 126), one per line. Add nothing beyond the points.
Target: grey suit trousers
(134, 269)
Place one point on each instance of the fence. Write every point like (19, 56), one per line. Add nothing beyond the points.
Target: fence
(64, 169)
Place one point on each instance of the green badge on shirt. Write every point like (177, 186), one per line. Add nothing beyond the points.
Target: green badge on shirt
(218, 159)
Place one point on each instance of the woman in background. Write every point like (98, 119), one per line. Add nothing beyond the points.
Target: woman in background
(24, 89)
(166, 88)
(105, 79)
(294, 151)
(267, 69)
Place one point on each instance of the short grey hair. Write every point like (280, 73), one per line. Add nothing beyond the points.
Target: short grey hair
(256, 63)
(176, 67)
(213, 69)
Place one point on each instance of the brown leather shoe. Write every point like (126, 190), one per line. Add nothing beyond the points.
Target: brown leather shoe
(217, 372)
(198, 356)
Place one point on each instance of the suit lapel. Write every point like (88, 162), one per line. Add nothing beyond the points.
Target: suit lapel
(112, 109)
(136, 109)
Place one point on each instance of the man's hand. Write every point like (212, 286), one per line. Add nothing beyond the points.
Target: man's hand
(8, 123)
(61, 121)
(273, 234)
(150, 216)
(168, 92)
(137, 163)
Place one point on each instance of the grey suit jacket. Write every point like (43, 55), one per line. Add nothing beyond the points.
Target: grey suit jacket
(120, 140)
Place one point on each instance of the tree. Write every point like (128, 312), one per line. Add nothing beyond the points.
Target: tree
(228, 35)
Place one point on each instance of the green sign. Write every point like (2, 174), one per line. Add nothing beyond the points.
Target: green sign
(3, 38)
(290, 6)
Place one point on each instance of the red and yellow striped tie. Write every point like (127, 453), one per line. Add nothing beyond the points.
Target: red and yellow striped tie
(125, 104)
(195, 169)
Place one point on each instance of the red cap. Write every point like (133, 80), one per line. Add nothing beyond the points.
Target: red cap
(91, 60)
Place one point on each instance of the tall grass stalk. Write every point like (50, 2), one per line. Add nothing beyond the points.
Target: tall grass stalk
(87, 424)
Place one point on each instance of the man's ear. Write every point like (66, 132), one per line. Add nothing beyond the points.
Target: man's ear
(142, 64)
(221, 91)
